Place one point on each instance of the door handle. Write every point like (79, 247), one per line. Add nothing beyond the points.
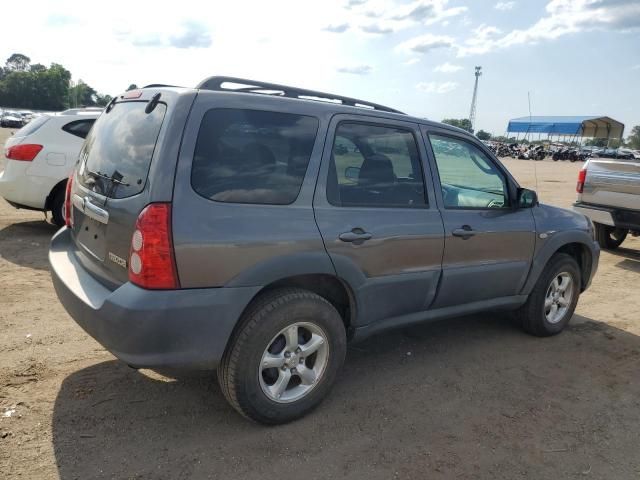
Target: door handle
(466, 232)
(93, 211)
(357, 235)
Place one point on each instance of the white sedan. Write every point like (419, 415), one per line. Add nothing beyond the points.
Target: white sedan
(39, 158)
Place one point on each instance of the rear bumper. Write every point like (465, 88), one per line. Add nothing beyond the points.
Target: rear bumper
(147, 328)
(614, 217)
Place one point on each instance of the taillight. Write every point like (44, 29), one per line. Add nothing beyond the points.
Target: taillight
(582, 177)
(26, 152)
(151, 261)
(68, 216)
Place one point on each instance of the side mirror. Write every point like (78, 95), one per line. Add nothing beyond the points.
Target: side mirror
(352, 173)
(527, 198)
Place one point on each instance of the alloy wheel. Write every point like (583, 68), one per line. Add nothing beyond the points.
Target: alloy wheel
(293, 362)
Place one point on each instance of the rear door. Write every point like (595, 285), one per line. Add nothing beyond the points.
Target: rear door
(122, 167)
(488, 243)
(377, 215)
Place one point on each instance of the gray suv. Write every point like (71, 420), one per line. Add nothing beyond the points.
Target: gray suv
(257, 228)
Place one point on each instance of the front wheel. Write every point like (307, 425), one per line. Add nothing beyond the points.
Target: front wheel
(553, 299)
(285, 356)
(609, 237)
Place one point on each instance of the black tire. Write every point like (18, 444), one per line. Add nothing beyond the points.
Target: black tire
(239, 371)
(608, 237)
(57, 207)
(531, 315)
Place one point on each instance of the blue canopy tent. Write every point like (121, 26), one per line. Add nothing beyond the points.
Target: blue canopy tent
(585, 126)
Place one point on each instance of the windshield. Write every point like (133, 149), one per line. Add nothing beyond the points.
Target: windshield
(115, 158)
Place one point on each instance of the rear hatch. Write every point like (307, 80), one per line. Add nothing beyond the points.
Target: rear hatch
(115, 178)
(613, 183)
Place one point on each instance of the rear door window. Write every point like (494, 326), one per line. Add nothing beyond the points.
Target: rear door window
(79, 128)
(252, 156)
(375, 166)
(116, 155)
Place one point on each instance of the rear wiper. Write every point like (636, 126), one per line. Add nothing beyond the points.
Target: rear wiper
(113, 178)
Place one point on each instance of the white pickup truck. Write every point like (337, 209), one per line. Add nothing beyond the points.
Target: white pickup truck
(609, 194)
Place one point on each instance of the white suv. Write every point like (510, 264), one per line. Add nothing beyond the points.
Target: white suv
(39, 158)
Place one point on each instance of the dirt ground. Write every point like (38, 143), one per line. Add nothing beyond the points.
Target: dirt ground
(468, 398)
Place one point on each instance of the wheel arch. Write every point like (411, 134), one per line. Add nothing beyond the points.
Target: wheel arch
(330, 287)
(583, 256)
(576, 244)
(333, 289)
(61, 185)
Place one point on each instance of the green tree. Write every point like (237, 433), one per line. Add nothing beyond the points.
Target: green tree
(23, 85)
(103, 100)
(37, 68)
(482, 135)
(133, 86)
(55, 87)
(634, 139)
(82, 95)
(18, 90)
(18, 62)
(463, 123)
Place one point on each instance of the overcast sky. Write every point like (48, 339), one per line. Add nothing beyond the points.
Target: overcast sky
(576, 57)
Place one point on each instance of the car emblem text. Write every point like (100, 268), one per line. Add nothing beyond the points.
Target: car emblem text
(117, 260)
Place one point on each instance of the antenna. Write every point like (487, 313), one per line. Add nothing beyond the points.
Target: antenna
(472, 112)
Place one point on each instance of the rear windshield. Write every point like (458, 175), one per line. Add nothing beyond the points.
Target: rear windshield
(32, 126)
(116, 155)
(251, 156)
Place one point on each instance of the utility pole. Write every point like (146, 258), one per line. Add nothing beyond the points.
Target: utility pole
(472, 113)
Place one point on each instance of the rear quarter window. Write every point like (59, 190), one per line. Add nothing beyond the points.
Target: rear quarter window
(252, 156)
(79, 128)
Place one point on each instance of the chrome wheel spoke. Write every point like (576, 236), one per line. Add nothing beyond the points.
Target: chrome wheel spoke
(565, 282)
(306, 374)
(312, 346)
(291, 337)
(548, 302)
(278, 388)
(269, 360)
(563, 302)
(553, 312)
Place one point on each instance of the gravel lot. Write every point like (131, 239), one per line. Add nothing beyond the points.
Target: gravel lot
(468, 398)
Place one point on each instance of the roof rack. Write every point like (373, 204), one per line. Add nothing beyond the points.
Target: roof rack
(243, 85)
(155, 85)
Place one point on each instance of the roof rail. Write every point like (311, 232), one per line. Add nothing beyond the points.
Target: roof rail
(155, 85)
(243, 85)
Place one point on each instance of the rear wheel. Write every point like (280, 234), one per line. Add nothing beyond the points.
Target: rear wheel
(57, 207)
(285, 356)
(609, 237)
(553, 299)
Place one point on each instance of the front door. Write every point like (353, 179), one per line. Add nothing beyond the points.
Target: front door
(488, 242)
(378, 217)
